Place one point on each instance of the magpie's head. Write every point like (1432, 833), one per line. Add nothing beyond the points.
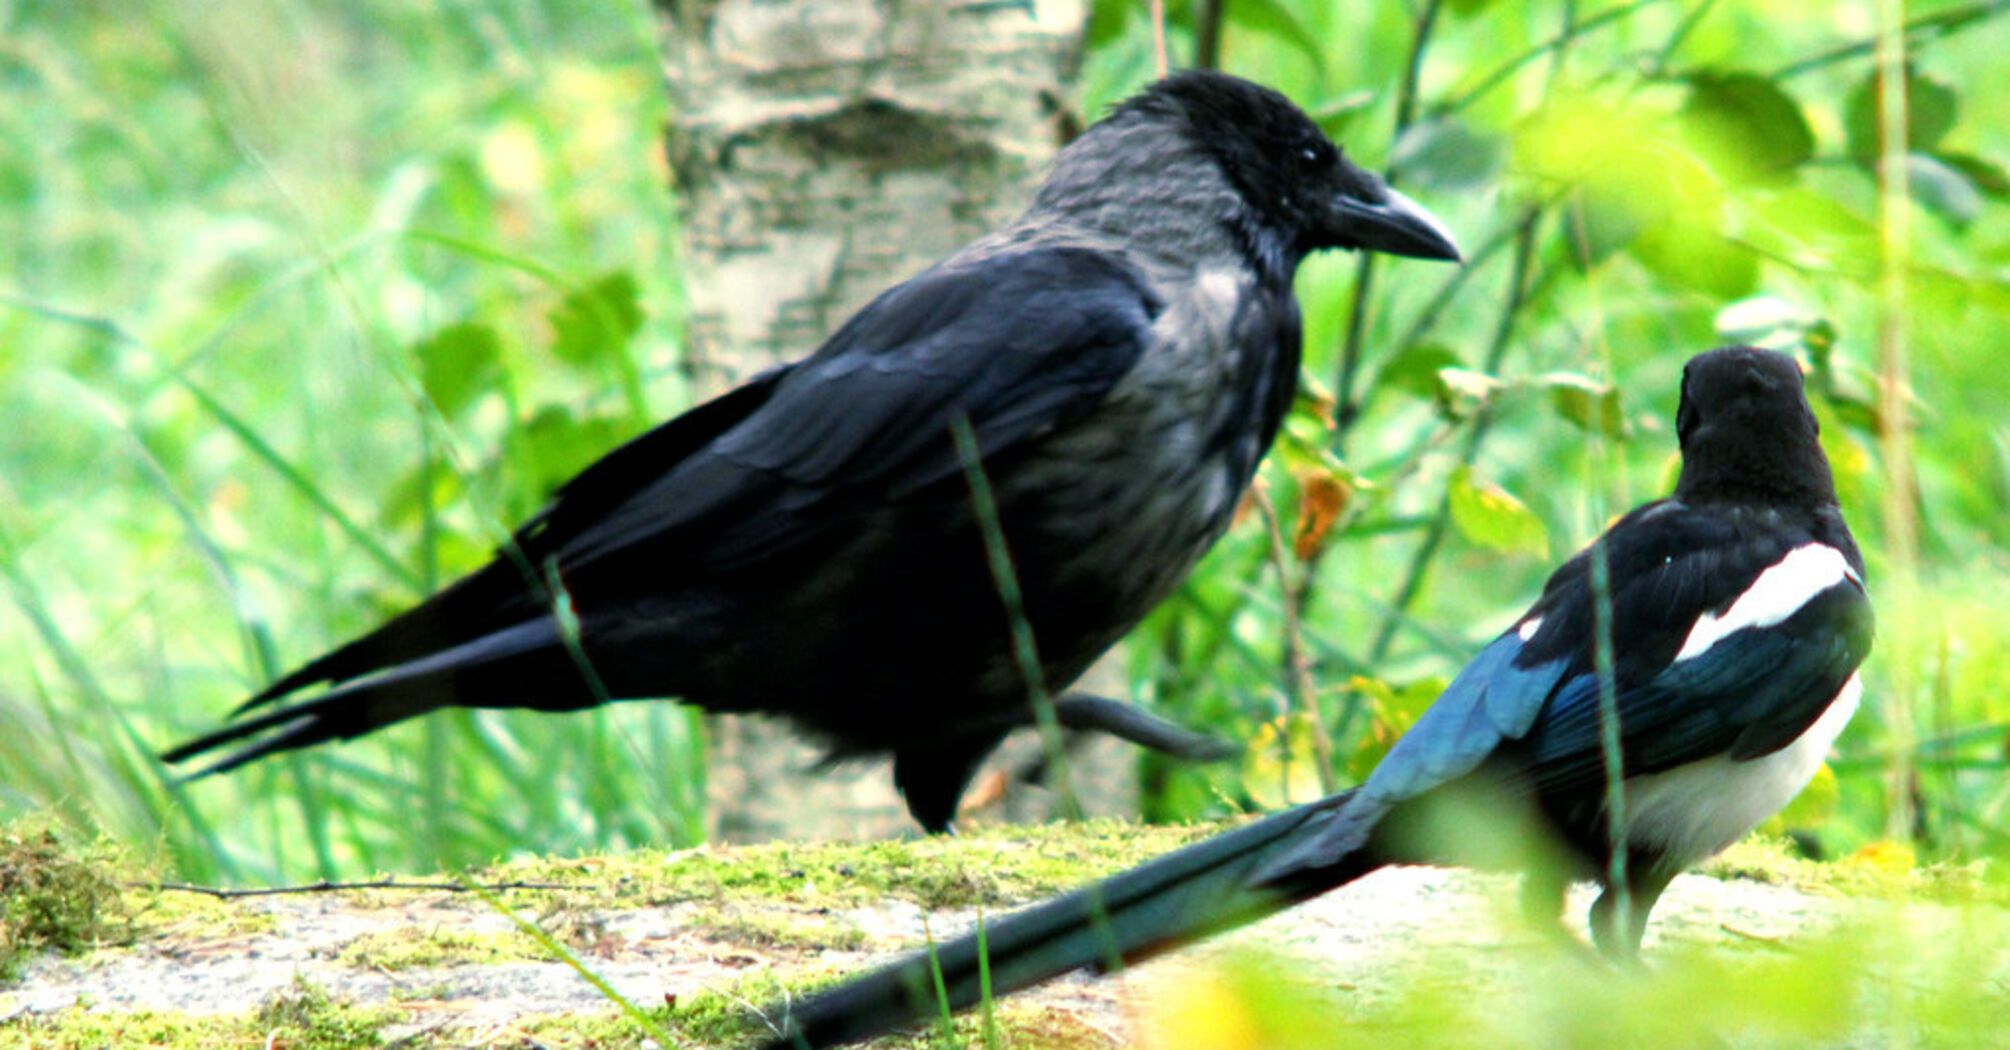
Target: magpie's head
(1290, 185)
(1746, 426)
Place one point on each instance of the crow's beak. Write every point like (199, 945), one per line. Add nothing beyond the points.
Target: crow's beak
(1396, 225)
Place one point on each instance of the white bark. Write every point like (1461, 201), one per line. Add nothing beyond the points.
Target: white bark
(822, 151)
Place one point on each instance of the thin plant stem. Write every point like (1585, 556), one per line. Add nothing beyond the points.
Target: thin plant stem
(1936, 26)
(1519, 287)
(1159, 58)
(1298, 664)
(984, 506)
(563, 954)
(1500, 74)
(1894, 430)
(1364, 269)
(1208, 16)
(1609, 741)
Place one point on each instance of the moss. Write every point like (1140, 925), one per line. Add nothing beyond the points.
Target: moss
(409, 948)
(303, 1018)
(306, 1017)
(778, 927)
(727, 1017)
(991, 867)
(55, 897)
(1878, 871)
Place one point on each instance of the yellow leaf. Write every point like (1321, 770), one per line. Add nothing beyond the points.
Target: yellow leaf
(1885, 858)
(1322, 497)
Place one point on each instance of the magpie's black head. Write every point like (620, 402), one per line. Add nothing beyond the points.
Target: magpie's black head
(1294, 179)
(1746, 428)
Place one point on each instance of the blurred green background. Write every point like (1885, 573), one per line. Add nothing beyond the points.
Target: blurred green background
(305, 304)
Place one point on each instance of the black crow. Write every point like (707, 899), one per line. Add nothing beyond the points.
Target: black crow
(1119, 357)
(1737, 618)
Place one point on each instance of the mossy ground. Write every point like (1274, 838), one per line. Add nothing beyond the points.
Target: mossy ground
(756, 924)
(56, 896)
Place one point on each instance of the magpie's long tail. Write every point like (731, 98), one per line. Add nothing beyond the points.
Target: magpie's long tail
(1210, 886)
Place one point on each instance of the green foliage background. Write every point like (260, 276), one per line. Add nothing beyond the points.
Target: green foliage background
(305, 304)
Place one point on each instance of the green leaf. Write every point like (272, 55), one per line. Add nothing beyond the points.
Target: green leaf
(1462, 391)
(1447, 154)
(1942, 189)
(1930, 107)
(1467, 8)
(1750, 129)
(1274, 19)
(1590, 404)
(554, 445)
(1697, 258)
(1595, 225)
(1763, 320)
(1415, 370)
(458, 362)
(1107, 21)
(1492, 517)
(1987, 176)
(1334, 115)
(594, 323)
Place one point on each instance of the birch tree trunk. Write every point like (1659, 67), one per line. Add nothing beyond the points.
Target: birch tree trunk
(822, 151)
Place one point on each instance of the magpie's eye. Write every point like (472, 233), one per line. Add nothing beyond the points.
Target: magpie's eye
(1318, 154)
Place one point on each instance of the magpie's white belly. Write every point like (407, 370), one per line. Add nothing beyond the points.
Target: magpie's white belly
(1694, 811)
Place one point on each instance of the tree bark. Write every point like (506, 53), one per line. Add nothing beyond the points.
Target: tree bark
(822, 151)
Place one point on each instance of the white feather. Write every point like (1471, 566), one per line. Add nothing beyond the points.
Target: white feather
(1777, 594)
(1694, 811)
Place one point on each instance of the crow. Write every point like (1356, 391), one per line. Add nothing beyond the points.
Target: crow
(1115, 362)
(1736, 619)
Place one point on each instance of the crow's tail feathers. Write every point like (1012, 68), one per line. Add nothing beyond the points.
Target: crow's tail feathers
(484, 602)
(527, 659)
(1213, 885)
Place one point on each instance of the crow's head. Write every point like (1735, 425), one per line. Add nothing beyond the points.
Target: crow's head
(1294, 179)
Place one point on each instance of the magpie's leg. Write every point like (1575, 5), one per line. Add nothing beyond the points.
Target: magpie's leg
(1618, 936)
(932, 777)
(1542, 899)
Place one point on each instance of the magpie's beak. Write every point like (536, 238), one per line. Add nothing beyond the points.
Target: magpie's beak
(1396, 225)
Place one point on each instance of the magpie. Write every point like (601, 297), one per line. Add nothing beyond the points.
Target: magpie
(807, 545)
(1736, 617)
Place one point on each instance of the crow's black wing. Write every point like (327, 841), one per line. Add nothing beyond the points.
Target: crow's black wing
(1016, 343)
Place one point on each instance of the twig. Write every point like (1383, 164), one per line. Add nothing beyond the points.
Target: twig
(1297, 664)
(1756, 938)
(1941, 23)
(325, 886)
(1901, 522)
(1502, 72)
(565, 955)
(1208, 16)
(1158, 10)
(1364, 269)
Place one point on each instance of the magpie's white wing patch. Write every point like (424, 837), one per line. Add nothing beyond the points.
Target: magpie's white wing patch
(1773, 597)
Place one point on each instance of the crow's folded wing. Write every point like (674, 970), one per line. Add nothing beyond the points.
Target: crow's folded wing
(1016, 344)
